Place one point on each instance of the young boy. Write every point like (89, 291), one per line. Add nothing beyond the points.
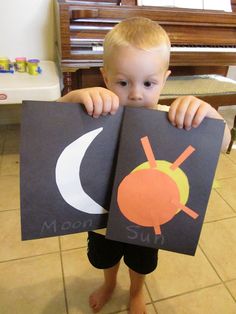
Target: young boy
(136, 60)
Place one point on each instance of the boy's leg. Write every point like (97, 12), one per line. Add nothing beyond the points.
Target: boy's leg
(136, 301)
(102, 295)
(141, 261)
(104, 254)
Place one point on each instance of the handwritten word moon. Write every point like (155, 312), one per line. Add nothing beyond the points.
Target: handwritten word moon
(68, 175)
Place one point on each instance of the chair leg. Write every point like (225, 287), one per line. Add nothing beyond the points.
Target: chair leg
(233, 136)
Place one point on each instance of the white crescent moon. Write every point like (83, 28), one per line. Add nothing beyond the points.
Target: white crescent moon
(68, 175)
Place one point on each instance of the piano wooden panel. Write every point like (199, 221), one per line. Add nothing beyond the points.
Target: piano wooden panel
(83, 25)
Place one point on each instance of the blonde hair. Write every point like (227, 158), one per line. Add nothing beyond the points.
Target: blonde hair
(138, 32)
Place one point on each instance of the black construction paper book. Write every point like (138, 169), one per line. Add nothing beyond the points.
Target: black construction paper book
(163, 181)
(67, 161)
(163, 175)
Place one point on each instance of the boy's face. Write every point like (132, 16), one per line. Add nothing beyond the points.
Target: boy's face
(136, 76)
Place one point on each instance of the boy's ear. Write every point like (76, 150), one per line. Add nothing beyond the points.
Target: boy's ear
(166, 75)
(104, 75)
(168, 72)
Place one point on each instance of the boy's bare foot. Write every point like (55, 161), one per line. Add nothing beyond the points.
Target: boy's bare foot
(100, 297)
(137, 304)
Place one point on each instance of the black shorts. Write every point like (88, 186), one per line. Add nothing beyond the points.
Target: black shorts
(104, 253)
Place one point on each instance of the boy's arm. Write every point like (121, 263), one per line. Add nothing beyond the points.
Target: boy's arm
(188, 112)
(97, 100)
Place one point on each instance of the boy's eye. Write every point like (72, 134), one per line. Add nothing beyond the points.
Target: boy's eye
(147, 84)
(123, 83)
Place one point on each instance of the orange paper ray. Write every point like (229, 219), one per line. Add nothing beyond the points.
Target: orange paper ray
(157, 230)
(185, 154)
(186, 209)
(148, 151)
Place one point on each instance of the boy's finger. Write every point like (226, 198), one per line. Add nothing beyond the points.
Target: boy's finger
(107, 103)
(200, 114)
(172, 110)
(88, 104)
(115, 104)
(191, 113)
(180, 112)
(97, 105)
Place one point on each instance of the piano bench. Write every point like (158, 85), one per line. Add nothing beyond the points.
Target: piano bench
(217, 90)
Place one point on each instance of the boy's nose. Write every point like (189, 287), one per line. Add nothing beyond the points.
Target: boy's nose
(135, 94)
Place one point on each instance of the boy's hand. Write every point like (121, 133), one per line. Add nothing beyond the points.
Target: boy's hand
(97, 100)
(188, 112)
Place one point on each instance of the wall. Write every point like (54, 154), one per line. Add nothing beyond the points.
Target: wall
(27, 29)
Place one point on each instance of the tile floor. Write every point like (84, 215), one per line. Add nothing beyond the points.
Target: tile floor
(53, 276)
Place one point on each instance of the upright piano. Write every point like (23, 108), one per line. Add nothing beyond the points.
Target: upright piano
(202, 41)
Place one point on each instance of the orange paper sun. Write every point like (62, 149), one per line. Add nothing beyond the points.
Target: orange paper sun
(153, 193)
